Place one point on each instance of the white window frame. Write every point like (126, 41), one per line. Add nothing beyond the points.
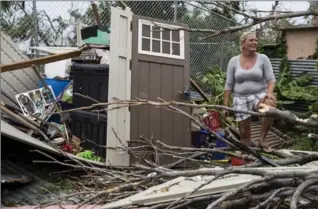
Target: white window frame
(160, 54)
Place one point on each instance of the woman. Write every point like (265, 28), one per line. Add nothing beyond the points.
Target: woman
(251, 78)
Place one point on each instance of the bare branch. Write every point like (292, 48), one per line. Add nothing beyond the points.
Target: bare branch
(264, 111)
(237, 11)
(299, 190)
(260, 20)
(265, 11)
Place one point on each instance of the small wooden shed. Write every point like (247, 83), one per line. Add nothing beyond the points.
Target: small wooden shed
(149, 58)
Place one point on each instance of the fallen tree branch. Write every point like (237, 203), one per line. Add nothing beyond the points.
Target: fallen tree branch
(256, 20)
(264, 111)
(299, 191)
(272, 196)
(203, 150)
(235, 191)
(262, 19)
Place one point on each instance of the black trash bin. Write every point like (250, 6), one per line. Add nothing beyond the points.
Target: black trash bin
(91, 128)
(89, 80)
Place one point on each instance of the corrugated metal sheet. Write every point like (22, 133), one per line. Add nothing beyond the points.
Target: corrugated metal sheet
(44, 185)
(17, 81)
(195, 96)
(275, 139)
(15, 134)
(297, 67)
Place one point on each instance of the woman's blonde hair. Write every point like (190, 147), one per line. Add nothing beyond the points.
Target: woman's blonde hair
(243, 38)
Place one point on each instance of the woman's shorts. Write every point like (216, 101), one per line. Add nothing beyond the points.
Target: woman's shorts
(246, 103)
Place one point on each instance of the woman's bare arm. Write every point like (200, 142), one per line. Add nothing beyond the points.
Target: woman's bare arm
(229, 83)
(269, 75)
(226, 99)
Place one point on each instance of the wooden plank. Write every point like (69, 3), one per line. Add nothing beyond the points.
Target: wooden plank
(118, 122)
(200, 91)
(42, 60)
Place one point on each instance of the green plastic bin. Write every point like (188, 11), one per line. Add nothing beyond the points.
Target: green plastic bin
(96, 35)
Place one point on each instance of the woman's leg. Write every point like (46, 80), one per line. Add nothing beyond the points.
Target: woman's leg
(245, 131)
(266, 123)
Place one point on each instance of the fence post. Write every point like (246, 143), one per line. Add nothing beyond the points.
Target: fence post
(175, 11)
(35, 29)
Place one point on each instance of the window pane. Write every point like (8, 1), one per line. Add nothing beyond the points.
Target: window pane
(155, 46)
(175, 49)
(166, 47)
(156, 32)
(166, 34)
(146, 30)
(145, 45)
(176, 35)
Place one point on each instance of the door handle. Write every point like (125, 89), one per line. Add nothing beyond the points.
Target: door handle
(187, 93)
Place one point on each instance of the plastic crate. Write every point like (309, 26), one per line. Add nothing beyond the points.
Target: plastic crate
(91, 126)
(89, 80)
(212, 120)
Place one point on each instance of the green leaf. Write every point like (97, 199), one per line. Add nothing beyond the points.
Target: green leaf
(304, 79)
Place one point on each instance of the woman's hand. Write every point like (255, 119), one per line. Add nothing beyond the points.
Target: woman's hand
(271, 97)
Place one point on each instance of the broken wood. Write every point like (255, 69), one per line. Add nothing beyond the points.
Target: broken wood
(96, 13)
(42, 60)
(23, 121)
(200, 91)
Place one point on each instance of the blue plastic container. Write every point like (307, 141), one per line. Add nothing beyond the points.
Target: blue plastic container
(219, 144)
(199, 138)
(58, 86)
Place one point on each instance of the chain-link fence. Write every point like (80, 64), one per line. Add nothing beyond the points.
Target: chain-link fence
(54, 24)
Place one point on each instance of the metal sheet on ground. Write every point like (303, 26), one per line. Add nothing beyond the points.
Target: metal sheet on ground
(14, 133)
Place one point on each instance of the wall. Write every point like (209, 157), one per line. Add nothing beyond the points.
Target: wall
(301, 42)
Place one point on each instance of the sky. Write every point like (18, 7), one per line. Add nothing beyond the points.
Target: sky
(292, 6)
(55, 8)
(286, 5)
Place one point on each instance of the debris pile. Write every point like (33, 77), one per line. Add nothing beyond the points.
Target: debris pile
(194, 183)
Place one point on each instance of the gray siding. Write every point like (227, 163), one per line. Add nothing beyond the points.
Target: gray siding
(17, 81)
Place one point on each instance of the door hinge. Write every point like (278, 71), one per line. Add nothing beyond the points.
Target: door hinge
(131, 25)
(130, 64)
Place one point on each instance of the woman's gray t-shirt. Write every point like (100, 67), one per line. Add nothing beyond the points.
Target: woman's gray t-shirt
(246, 82)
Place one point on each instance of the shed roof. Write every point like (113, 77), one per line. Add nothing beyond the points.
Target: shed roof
(17, 81)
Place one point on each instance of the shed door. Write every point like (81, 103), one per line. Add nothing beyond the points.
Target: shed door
(160, 68)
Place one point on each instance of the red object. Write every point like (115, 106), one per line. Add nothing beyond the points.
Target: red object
(67, 148)
(212, 120)
(236, 161)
